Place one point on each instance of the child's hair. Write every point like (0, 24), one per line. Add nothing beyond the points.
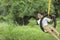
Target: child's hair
(41, 13)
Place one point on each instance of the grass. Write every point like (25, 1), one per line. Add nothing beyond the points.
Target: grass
(9, 31)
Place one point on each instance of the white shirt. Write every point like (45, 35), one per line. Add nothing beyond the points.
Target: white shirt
(44, 22)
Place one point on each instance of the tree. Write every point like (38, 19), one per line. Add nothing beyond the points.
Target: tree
(10, 9)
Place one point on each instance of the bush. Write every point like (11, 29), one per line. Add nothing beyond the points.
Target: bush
(9, 32)
(14, 10)
(5, 30)
(32, 22)
(22, 8)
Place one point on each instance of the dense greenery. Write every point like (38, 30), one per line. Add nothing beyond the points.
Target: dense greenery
(17, 9)
(23, 7)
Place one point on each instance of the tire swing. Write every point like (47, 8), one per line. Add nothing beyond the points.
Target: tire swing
(51, 16)
(54, 22)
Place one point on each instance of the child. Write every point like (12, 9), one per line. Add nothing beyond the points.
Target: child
(45, 25)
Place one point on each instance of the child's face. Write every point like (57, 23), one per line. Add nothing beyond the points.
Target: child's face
(39, 16)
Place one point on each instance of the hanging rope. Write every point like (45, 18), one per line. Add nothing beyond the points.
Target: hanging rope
(49, 3)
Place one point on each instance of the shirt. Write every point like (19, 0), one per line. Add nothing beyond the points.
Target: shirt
(44, 22)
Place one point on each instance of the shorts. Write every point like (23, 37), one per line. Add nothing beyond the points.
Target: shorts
(47, 28)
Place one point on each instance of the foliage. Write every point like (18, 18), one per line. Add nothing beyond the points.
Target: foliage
(11, 8)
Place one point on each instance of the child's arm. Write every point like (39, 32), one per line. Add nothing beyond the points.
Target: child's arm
(49, 20)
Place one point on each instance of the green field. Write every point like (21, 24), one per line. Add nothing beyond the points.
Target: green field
(9, 31)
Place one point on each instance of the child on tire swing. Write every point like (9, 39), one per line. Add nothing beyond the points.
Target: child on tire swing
(46, 27)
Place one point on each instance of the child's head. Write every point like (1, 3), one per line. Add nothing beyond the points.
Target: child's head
(40, 15)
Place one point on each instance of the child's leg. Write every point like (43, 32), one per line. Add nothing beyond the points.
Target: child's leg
(55, 31)
(53, 34)
(49, 30)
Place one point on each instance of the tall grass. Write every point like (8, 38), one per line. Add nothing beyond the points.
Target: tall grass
(10, 31)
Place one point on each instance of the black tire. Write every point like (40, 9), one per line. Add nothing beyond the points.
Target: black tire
(54, 21)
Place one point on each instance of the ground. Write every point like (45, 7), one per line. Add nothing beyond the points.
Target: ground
(30, 32)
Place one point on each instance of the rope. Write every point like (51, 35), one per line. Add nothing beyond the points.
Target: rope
(49, 3)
